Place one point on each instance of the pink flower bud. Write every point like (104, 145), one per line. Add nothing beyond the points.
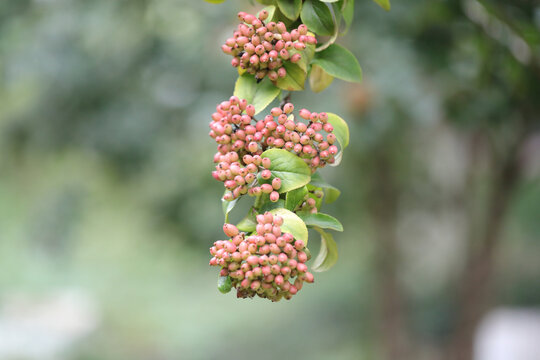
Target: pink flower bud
(248, 18)
(282, 257)
(263, 14)
(266, 174)
(270, 238)
(274, 248)
(254, 60)
(266, 162)
(274, 196)
(273, 75)
(253, 147)
(301, 267)
(252, 260)
(245, 283)
(305, 114)
(252, 248)
(250, 111)
(272, 259)
(299, 46)
(230, 230)
(296, 58)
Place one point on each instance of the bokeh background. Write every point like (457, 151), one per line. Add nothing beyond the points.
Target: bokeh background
(107, 205)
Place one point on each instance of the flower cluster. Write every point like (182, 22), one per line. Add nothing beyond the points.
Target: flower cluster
(270, 264)
(261, 48)
(242, 139)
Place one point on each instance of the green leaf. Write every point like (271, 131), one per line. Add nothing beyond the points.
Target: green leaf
(248, 223)
(269, 205)
(227, 206)
(318, 17)
(290, 8)
(385, 4)
(266, 2)
(323, 221)
(339, 62)
(295, 79)
(328, 253)
(215, 1)
(331, 192)
(292, 224)
(348, 14)
(307, 56)
(295, 197)
(259, 95)
(341, 130)
(319, 79)
(224, 284)
(292, 170)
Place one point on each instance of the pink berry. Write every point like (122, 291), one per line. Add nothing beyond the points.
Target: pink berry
(230, 230)
(274, 196)
(266, 174)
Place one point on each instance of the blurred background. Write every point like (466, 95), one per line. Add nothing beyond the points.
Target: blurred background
(108, 208)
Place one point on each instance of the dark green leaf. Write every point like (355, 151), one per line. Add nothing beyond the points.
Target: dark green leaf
(269, 205)
(292, 224)
(292, 170)
(290, 8)
(328, 254)
(318, 17)
(339, 62)
(295, 197)
(323, 221)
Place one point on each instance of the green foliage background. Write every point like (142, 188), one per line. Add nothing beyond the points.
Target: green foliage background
(105, 165)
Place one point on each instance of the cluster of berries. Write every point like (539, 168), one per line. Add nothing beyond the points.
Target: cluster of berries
(261, 48)
(270, 264)
(242, 139)
(310, 204)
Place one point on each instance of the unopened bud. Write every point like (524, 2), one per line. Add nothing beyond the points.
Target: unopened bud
(230, 230)
(274, 196)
